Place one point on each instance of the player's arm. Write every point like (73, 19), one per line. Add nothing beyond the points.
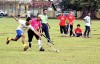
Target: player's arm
(66, 21)
(74, 17)
(40, 28)
(48, 25)
(90, 22)
(37, 33)
(84, 19)
(14, 17)
(58, 17)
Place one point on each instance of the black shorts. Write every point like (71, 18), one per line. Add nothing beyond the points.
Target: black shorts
(31, 34)
(63, 29)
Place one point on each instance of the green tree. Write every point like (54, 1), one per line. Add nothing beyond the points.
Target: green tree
(83, 5)
(90, 6)
(70, 4)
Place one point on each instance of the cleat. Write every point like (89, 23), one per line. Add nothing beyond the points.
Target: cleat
(30, 45)
(41, 49)
(51, 42)
(25, 48)
(8, 39)
(88, 36)
(84, 36)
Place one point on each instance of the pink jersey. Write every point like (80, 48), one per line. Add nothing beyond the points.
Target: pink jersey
(35, 23)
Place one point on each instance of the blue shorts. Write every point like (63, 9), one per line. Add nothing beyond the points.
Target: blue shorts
(19, 33)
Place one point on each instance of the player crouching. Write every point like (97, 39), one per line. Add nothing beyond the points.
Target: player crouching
(78, 31)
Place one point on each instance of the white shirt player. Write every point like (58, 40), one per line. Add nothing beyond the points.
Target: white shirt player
(87, 20)
(23, 26)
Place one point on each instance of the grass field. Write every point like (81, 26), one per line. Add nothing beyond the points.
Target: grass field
(73, 50)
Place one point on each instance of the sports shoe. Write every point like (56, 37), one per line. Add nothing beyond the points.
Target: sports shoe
(25, 48)
(30, 45)
(84, 36)
(41, 49)
(51, 42)
(8, 39)
(88, 36)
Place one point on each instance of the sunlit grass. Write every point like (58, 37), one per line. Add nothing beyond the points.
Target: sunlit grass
(73, 50)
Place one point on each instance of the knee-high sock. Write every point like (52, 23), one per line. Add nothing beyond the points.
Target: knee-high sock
(39, 43)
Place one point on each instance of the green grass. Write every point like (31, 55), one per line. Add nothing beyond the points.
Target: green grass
(73, 50)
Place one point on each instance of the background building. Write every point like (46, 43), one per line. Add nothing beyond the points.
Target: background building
(14, 6)
(37, 6)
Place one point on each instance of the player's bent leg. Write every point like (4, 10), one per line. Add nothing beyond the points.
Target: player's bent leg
(86, 29)
(88, 32)
(71, 30)
(13, 39)
(39, 42)
(24, 44)
(30, 37)
(40, 45)
(25, 48)
(65, 31)
(61, 30)
(41, 49)
(30, 45)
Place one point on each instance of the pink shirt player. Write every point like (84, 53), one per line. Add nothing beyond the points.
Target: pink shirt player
(36, 24)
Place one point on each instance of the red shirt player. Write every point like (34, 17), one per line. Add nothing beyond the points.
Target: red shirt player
(78, 31)
(62, 23)
(70, 18)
